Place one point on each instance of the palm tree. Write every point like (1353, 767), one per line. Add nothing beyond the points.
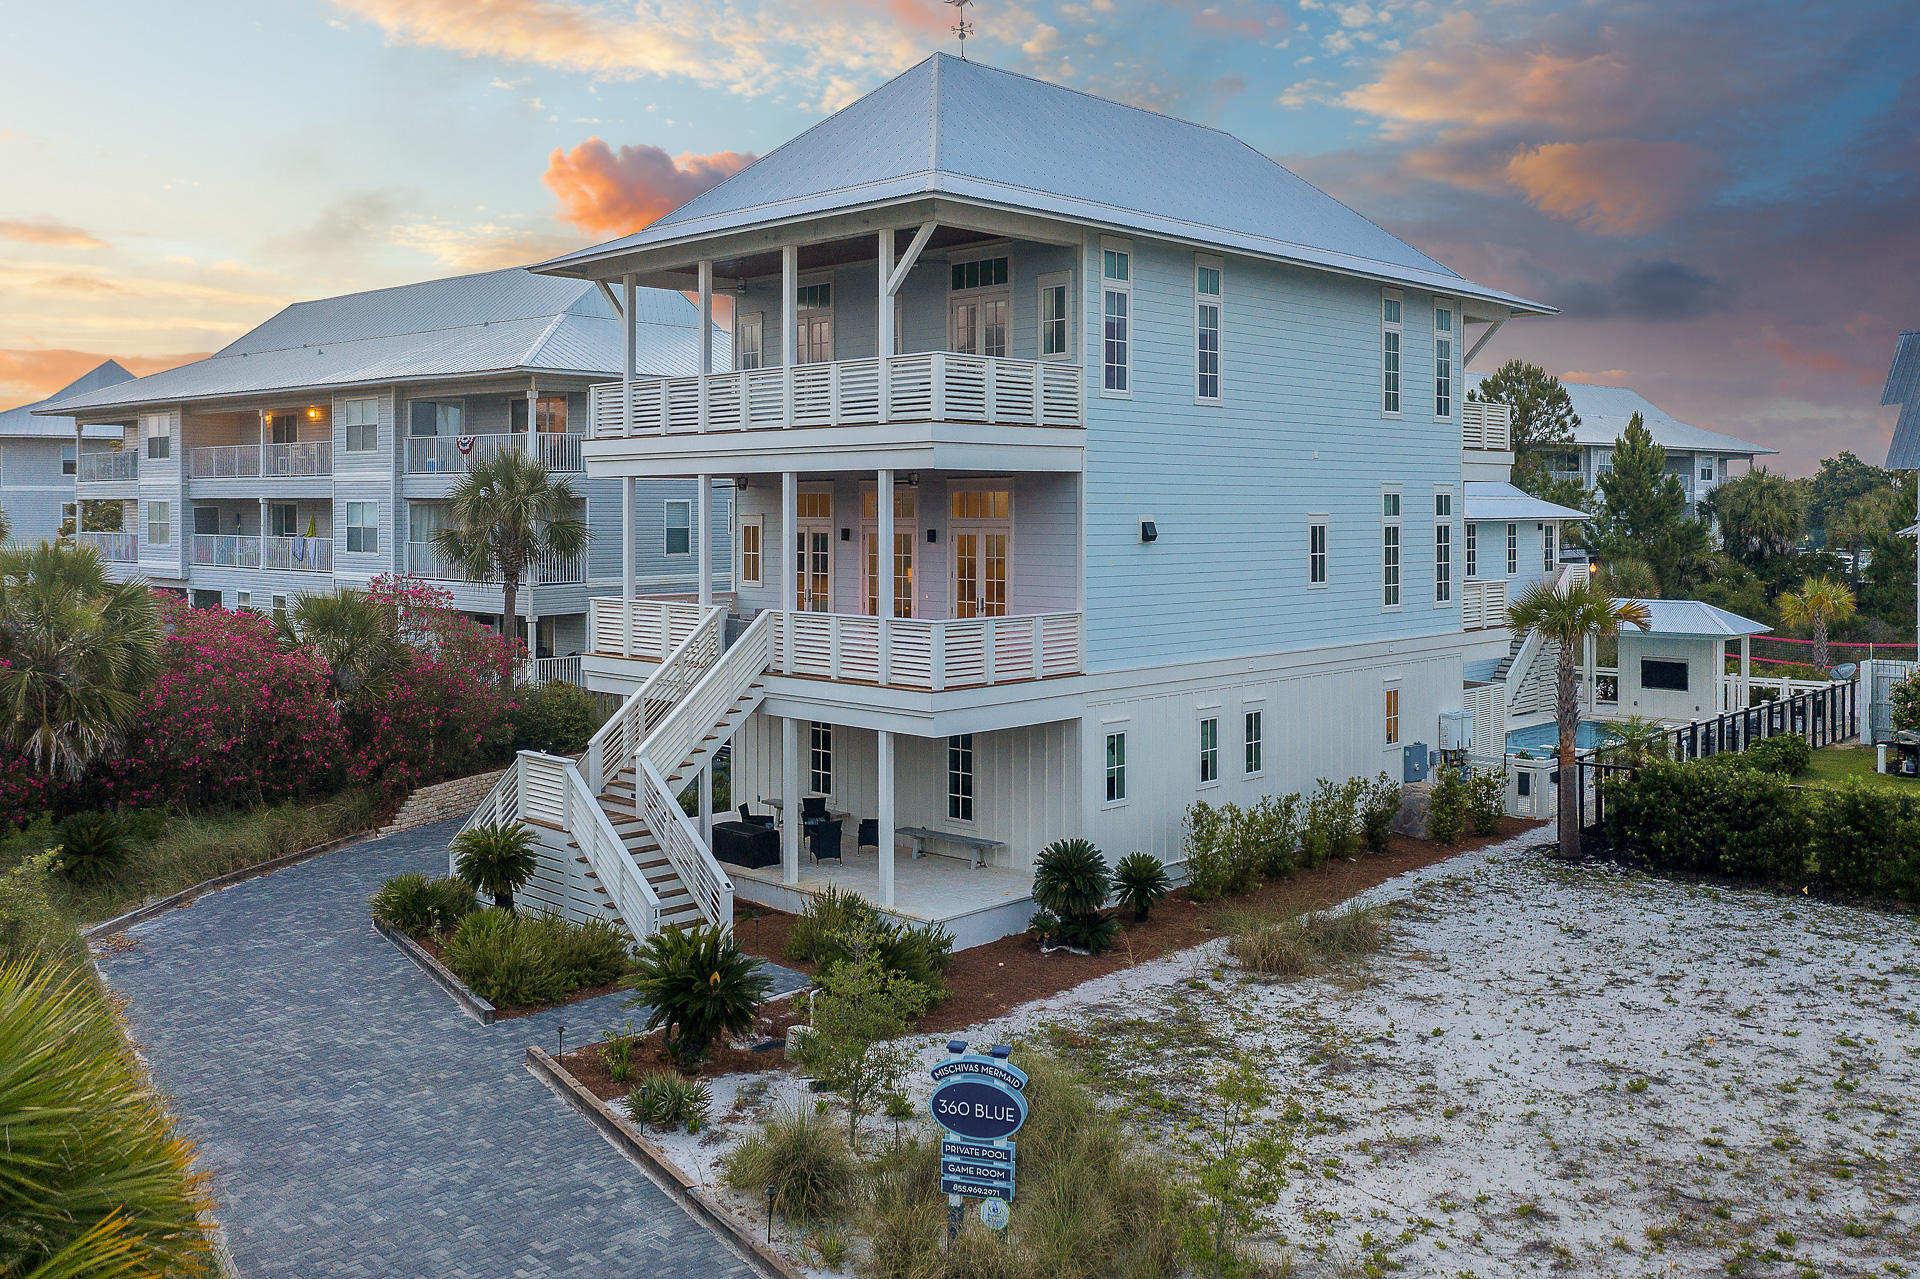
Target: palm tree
(355, 635)
(6, 529)
(507, 513)
(1760, 515)
(495, 860)
(1569, 618)
(94, 1180)
(76, 650)
(1819, 601)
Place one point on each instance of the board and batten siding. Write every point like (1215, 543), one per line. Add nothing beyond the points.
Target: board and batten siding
(1299, 431)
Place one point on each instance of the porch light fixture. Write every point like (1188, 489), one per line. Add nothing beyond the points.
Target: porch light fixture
(933, 535)
(1149, 531)
(846, 535)
(313, 413)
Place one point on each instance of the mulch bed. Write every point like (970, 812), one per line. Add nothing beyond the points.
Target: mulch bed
(650, 1054)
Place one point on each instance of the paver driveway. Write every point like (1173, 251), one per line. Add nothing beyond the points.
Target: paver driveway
(355, 1121)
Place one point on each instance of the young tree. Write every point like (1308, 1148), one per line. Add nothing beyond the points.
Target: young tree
(1882, 509)
(1543, 425)
(1819, 602)
(858, 1017)
(1569, 618)
(1642, 513)
(507, 513)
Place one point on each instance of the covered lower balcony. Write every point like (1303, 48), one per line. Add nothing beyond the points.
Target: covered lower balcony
(295, 537)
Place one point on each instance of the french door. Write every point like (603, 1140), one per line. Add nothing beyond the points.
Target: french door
(977, 323)
(816, 569)
(905, 536)
(980, 571)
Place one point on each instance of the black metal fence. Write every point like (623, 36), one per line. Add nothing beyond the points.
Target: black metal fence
(1821, 715)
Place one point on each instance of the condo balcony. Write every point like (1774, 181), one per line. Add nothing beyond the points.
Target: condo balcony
(1486, 427)
(298, 459)
(239, 550)
(108, 465)
(458, 454)
(114, 548)
(424, 559)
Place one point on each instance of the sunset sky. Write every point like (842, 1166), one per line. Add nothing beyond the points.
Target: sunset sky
(1723, 198)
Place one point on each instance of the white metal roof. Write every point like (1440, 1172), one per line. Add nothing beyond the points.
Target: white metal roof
(972, 132)
(1605, 411)
(21, 423)
(494, 322)
(1903, 388)
(1693, 617)
(1492, 500)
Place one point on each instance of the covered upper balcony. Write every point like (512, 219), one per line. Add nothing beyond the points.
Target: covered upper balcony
(291, 442)
(953, 342)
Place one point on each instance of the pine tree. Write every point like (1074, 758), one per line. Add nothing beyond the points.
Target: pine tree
(1543, 425)
(1641, 514)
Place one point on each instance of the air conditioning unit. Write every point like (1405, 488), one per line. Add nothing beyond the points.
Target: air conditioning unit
(1456, 730)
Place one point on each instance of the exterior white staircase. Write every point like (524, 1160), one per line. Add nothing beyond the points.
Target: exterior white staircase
(616, 813)
(1527, 672)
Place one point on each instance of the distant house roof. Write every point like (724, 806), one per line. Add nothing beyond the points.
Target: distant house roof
(495, 322)
(1692, 617)
(1492, 500)
(21, 423)
(1605, 411)
(1903, 388)
(971, 132)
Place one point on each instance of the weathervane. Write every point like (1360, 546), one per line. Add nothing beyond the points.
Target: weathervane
(962, 27)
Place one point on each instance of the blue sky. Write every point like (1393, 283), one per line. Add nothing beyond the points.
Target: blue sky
(1719, 195)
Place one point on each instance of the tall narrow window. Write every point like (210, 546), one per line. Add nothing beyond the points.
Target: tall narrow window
(363, 526)
(1116, 767)
(1473, 550)
(960, 777)
(814, 331)
(1390, 550)
(1443, 361)
(1253, 739)
(1206, 330)
(1548, 560)
(1390, 351)
(1393, 716)
(1056, 341)
(1513, 550)
(1317, 553)
(1116, 309)
(1209, 750)
(159, 523)
(70, 459)
(159, 428)
(820, 759)
(750, 543)
(746, 340)
(679, 527)
(1442, 547)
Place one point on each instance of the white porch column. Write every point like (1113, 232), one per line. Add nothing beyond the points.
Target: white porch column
(533, 417)
(706, 334)
(1746, 671)
(789, 323)
(884, 342)
(630, 353)
(885, 784)
(703, 517)
(883, 591)
(789, 556)
(790, 797)
(626, 561)
(706, 804)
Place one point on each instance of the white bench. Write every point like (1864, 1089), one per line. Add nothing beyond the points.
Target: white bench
(920, 836)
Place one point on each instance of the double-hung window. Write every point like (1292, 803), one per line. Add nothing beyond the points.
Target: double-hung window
(1513, 550)
(1317, 552)
(1253, 740)
(1390, 352)
(1116, 767)
(1116, 317)
(363, 526)
(814, 332)
(69, 459)
(159, 430)
(746, 340)
(820, 758)
(159, 523)
(1442, 547)
(1442, 361)
(1393, 716)
(1056, 312)
(1547, 539)
(362, 420)
(1209, 750)
(751, 531)
(1206, 330)
(1390, 549)
(960, 777)
(1473, 550)
(679, 527)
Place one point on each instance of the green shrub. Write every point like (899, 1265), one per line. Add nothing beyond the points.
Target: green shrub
(1141, 883)
(823, 932)
(1091, 933)
(1071, 879)
(804, 1158)
(1447, 807)
(699, 985)
(94, 848)
(501, 962)
(859, 1014)
(1274, 822)
(591, 953)
(616, 1050)
(1331, 827)
(666, 1099)
(422, 907)
(146, 824)
(1866, 842)
(1379, 805)
(1487, 799)
(1209, 860)
(1710, 817)
(826, 915)
(1044, 925)
(1787, 755)
(556, 718)
(32, 927)
(497, 859)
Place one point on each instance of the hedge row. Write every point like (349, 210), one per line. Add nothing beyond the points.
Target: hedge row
(1723, 816)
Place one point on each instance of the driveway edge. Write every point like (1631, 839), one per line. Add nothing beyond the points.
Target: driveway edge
(628, 1139)
(442, 976)
(187, 896)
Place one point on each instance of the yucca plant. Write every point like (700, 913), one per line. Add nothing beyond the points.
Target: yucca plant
(699, 985)
(496, 859)
(93, 847)
(1141, 882)
(1071, 879)
(93, 1179)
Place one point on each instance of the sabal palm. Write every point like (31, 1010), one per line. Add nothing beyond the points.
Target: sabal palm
(507, 513)
(1569, 618)
(76, 651)
(356, 636)
(495, 860)
(1819, 602)
(94, 1181)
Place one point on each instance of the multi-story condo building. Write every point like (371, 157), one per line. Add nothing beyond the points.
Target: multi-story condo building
(38, 459)
(320, 448)
(1088, 464)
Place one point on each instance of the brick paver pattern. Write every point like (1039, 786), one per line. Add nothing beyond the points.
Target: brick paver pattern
(355, 1121)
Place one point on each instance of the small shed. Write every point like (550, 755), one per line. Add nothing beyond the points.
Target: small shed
(1676, 668)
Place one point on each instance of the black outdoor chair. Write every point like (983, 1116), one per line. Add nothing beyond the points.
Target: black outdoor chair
(756, 819)
(823, 837)
(869, 832)
(813, 808)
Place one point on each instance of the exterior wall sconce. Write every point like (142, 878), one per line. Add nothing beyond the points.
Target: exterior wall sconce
(846, 535)
(1149, 531)
(933, 535)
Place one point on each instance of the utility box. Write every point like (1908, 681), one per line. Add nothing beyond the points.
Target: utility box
(1456, 731)
(1413, 762)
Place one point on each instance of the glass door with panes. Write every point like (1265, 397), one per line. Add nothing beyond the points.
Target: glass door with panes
(906, 533)
(814, 332)
(982, 534)
(977, 307)
(813, 529)
(283, 519)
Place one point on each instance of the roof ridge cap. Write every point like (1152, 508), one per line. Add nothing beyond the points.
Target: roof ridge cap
(933, 117)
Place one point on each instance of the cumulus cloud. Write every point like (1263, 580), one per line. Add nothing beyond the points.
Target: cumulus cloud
(46, 231)
(607, 193)
(1615, 186)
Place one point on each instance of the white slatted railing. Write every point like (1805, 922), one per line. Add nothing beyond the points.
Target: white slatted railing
(109, 464)
(1486, 426)
(658, 626)
(620, 737)
(671, 739)
(708, 885)
(1483, 604)
(608, 858)
(115, 548)
(929, 654)
(929, 386)
(501, 805)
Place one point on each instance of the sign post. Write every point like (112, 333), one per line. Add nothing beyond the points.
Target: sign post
(979, 1100)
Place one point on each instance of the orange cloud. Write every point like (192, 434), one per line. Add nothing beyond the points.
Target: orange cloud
(34, 374)
(607, 194)
(1614, 186)
(47, 231)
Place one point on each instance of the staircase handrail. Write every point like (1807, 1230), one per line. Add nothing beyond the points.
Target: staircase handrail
(501, 803)
(693, 715)
(708, 885)
(623, 732)
(608, 858)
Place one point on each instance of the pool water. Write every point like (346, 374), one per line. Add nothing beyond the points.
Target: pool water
(1546, 737)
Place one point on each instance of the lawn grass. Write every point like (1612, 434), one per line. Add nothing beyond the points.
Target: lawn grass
(1833, 765)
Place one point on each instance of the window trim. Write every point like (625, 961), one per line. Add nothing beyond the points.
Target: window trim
(1513, 548)
(1217, 301)
(1391, 714)
(1393, 550)
(70, 459)
(741, 319)
(166, 523)
(348, 426)
(667, 526)
(352, 528)
(1318, 523)
(972, 796)
(1473, 551)
(1113, 730)
(1204, 716)
(157, 428)
(1257, 743)
(810, 280)
(1444, 411)
(1549, 552)
(819, 747)
(1110, 287)
(1392, 384)
(1062, 280)
(759, 526)
(1442, 546)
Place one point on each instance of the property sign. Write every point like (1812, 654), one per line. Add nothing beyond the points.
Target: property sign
(978, 1108)
(979, 1099)
(994, 1213)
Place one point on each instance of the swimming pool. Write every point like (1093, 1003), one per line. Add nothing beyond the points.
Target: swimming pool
(1545, 737)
